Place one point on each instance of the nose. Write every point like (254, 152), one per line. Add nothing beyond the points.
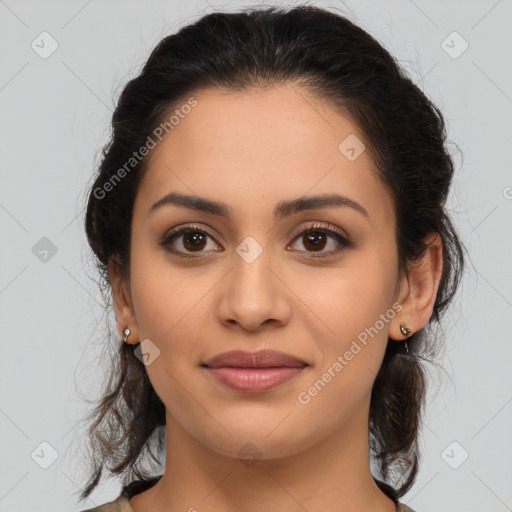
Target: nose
(253, 295)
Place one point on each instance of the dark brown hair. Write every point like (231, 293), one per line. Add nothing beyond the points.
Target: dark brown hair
(404, 131)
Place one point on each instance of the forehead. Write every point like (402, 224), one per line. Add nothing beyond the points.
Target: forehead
(255, 148)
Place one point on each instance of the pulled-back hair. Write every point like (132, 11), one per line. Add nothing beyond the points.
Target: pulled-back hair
(404, 132)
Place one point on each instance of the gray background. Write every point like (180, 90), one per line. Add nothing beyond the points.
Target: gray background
(55, 115)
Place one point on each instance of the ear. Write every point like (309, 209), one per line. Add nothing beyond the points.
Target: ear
(121, 293)
(418, 289)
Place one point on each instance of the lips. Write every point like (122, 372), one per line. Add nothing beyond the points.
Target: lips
(260, 359)
(254, 372)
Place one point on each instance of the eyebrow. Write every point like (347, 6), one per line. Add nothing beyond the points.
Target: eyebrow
(283, 208)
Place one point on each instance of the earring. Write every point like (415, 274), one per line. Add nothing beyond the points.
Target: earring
(127, 333)
(405, 331)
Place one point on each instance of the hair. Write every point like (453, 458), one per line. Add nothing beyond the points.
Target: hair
(341, 64)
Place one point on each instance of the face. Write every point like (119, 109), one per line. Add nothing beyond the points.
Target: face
(316, 282)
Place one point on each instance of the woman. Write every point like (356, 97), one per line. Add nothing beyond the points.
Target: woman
(269, 216)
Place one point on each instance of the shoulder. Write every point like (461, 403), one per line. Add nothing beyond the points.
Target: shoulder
(392, 494)
(403, 508)
(121, 504)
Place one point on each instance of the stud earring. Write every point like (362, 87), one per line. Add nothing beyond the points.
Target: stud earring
(127, 333)
(405, 331)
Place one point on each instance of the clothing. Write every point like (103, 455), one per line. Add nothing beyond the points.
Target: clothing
(122, 503)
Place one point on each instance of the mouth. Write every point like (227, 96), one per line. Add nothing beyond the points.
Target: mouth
(254, 372)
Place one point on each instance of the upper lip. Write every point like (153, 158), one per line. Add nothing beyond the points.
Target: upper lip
(259, 359)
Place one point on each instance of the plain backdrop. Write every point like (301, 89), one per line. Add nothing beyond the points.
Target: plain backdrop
(56, 104)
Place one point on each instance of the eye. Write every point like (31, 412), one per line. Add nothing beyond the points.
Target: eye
(317, 237)
(186, 240)
(190, 239)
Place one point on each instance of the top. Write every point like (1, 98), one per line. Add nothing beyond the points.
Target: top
(122, 503)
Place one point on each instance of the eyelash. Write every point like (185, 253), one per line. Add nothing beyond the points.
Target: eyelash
(317, 227)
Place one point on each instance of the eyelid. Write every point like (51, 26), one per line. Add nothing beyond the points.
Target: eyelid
(184, 227)
(179, 230)
(326, 227)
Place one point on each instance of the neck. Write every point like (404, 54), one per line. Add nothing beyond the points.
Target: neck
(333, 474)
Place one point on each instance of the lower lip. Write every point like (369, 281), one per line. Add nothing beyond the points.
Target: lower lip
(254, 380)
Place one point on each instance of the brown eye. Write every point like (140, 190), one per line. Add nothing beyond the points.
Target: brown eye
(188, 240)
(194, 240)
(316, 239)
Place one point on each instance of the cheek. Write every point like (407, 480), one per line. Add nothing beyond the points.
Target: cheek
(352, 297)
(354, 305)
(171, 304)
(168, 304)
(357, 313)
(159, 289)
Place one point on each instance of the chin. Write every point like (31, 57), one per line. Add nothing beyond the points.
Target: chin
(262, 441)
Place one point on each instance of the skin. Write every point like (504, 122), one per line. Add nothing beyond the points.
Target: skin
(252, 150)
